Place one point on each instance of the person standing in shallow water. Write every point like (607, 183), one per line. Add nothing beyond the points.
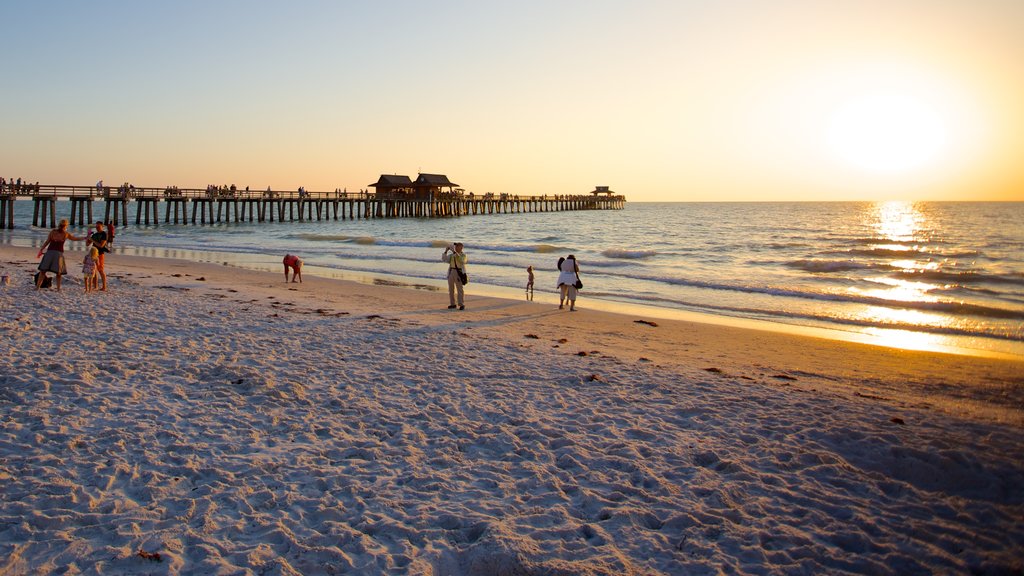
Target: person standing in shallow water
(568, 275)
(456, 260)
(110, 233)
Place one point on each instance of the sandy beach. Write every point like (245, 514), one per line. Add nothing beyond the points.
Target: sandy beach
(205, 419)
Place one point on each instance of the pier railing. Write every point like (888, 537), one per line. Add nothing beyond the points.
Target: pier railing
(224, 204)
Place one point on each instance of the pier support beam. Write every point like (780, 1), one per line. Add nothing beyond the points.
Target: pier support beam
(81, 211)
(180, 206)
(42, 206)
(120, 210)
(145, 207)
(7, 211)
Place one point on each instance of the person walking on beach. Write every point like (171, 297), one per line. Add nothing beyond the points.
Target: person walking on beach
(568, 281)
(99, 241)
(529, 282)
(456, 260)
(294, 263)
(53, 261)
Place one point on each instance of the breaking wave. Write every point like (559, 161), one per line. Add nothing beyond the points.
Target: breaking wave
(628, 254)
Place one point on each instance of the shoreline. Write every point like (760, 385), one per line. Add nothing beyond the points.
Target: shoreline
(980, 346)
(226, 422)
(634, 333)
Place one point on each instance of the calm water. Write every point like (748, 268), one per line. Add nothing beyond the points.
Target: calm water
(908, 274)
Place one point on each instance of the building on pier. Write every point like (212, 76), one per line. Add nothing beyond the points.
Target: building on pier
(394, 186)
(426, 187)
(433, 186)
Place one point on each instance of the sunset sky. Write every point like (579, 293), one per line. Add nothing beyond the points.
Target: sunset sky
(671, 100)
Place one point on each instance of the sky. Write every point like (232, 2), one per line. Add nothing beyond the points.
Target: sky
(676, 100)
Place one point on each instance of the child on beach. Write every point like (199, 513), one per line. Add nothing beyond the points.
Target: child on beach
(529, 280)
(89, 272)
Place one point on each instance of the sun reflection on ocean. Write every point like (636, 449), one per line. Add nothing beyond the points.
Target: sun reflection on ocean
(914, 265)
(901, 290)
(908, 340)
(884, 315)
(898, 221)
(901, 227)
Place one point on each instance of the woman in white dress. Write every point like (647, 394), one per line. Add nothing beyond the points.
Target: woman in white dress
(568, 276)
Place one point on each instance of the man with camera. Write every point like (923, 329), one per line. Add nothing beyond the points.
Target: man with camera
(457, 277)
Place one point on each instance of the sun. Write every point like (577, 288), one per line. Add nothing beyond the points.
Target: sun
(888, 132)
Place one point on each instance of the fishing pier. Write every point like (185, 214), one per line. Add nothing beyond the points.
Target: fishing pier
(394, 197)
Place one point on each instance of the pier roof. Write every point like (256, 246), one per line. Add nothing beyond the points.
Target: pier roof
(392, 181)
(434, 180)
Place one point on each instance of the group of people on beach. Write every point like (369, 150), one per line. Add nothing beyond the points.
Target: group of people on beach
(568, 283)
(98, 244)
(94, 275)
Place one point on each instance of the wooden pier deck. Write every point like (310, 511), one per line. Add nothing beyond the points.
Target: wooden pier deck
(201, 206)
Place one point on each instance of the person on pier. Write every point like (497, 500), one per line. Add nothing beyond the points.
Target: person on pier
(53, 247)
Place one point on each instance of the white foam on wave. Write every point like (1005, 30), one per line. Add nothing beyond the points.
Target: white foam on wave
(628, 254)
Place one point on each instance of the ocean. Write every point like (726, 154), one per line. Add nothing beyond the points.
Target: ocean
(923, 275)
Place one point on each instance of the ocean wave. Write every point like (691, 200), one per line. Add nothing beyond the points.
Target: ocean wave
(958, 308)
(370, 257)
(537, 248)
(628, 254)
(967, 290)
(319, 237)
(551, 262)
(960, 277)
(408, 244)
(954, 290)
(785, 245)
(908, 252)
(190, 251)
(476, 259)
(879, 240)
(829, 265)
